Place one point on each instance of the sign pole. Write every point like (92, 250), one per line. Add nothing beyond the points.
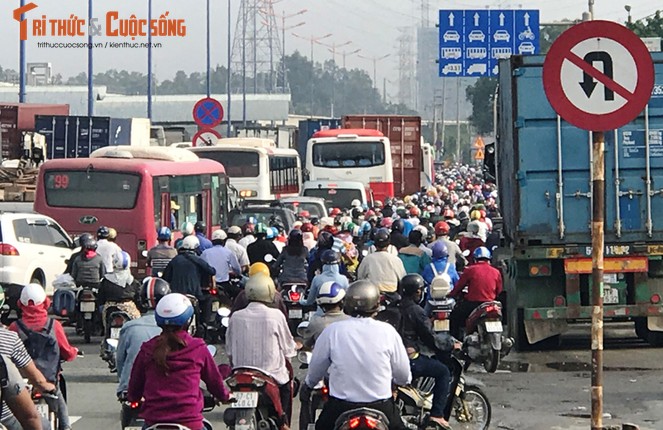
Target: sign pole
(598, 210)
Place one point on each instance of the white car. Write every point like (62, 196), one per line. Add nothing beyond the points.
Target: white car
(33, 248)
(502, 35)
(526, 48)
(476, 36)
(451, 36)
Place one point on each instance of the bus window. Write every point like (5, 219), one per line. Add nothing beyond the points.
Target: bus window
(238, 164)
(283, 175)
(84, 189)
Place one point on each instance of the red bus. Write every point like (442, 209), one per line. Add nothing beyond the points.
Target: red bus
(135, 191)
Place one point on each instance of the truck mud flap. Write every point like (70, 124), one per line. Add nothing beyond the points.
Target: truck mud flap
(539, 330)
(655, 323)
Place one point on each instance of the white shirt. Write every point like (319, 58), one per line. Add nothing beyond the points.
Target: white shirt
(390, 249)
(107, 250)
(239, 251)
(247, 240)
(362, 357)
(382, 269)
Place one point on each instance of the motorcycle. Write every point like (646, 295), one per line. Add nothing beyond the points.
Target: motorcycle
(467, 405)
(484, 339)
(362, 419)
(257, 402)
(115, 319)
(87, 310)
(47, 404)
(291, 293)
(308, 413)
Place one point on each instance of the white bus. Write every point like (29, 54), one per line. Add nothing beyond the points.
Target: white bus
(427, 164)
(352, 155)
(256, 167)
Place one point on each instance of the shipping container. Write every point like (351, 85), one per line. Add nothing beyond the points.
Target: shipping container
(78, 136)
(404, 133)
(16, 118)
(308, 127)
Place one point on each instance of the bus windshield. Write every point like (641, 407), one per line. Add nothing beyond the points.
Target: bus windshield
(84, 189)
(343, 155)
(238, 164)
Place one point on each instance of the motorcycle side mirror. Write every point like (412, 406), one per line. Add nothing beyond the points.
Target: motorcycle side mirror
(212, 350)
(269, 258)
(223, 312)
(144, 254)
(302, 328)
(113, 343)
(466, 253)
(304, 357)
(225, 321)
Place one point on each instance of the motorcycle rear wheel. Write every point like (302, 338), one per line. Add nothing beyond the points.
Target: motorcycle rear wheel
(473, 412)
(493, 360)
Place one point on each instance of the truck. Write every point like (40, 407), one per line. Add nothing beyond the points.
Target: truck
(404, 134)
(542, 168)
(308, 127)
(79, 136)
(18, 118)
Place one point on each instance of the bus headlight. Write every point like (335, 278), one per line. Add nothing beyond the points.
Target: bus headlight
(248, 193)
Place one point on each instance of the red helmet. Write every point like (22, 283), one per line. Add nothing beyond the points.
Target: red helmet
(334, 212)
(305, 214)
(307, 227)
(369, 213)
(387, 222)
(442, 228)
(331, 229)
(414, 211)
(449, 214)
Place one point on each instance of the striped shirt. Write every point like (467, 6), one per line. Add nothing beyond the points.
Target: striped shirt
(12, 347)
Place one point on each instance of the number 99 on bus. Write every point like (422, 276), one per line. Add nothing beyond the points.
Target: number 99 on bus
(59, 182)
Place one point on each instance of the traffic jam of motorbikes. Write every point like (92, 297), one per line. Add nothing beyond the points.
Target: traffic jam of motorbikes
(383, 307)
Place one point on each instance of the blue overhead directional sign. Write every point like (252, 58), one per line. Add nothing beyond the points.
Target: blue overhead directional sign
(472, 41)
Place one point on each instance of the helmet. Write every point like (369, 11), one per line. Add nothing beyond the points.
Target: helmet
(475, 215)
(260, 288)
(34, 292)
(325, 240)
(190, 242)
(481, 253)
(462, 216)
(261, 228)
(398, 225)
(257, 268)
(334, 212)
(234, 230)
(90, 244)
(307, 227)
(440, 250)
(474, 227)
(199, 227)
(152, 290)
(295, 236)
(121, 261)
(85, 237)
(387, 222)
(377, 204)
(362, 297)
(219, 235)
(329, 256)
(449, 214)
(102, 232)
(414, 211)
(355, 203)
(174, 310)
(272, 232)
(112, 234)
(442, 228)
(411, 283)
(330, 293)
(382, 238)
(164, 233)
(187, 228)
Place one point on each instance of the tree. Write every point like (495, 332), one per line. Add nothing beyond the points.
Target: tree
(648, 27)
(482, 96)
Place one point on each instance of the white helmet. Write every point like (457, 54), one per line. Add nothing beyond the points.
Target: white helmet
(330, 293)
(34, 292)
(190, 242)
(219, 235)
(355, 203)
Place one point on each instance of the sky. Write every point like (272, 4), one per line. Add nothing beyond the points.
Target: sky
(370, 25)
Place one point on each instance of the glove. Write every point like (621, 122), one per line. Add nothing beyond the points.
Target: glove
(305, 392)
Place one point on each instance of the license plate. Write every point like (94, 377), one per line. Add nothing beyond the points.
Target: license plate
(245, 400)
(611, 296)
(493, 326)
(215, 306)
(115, 332)
(295, 313)
(441, 325)
(42, 409)
(87, 306)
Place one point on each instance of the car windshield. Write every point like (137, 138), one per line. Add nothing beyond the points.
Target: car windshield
(315, 210)
(269, 218)
(343, 155)
(335, 197)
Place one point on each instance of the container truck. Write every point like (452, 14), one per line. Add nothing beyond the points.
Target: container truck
(16, 118)
(308, 127)
(543, 173)
(79, 136)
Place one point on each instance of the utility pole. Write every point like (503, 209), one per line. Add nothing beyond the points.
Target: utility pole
(284, 17)
(229, 77)
(591, 10)
(332, 48)
(313, 40)
(347, 54)
(90, 74)
(458, 152)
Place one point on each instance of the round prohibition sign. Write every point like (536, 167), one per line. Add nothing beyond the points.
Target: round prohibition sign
(604, 97)
(208, 112)
(206, 138)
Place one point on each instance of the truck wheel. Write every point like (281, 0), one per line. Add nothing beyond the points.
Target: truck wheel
(656, 338)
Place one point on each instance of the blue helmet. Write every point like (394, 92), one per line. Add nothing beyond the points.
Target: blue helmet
(164, 233)
(440, 250)
(272, 232)
(173, 310)
(482, 253)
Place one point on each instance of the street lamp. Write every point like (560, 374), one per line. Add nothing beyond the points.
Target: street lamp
(313, 41)
(348, 53)
(332, 49)
(628, 10)
(375, 65)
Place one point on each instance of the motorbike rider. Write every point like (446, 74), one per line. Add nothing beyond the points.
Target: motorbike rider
(441, 264)
(456, 257)
(169, 368)
(248, 230)
(119, 289)
(136, 332)
(398, 238)
(106, 248)
(414, 259)
(308, 235)
(82, 239)
(223, 260)
(159, 256)
(362, 357)
(15, 394)
(325, 242)
(382, 268)
(199, 229)
(291, 264)
(262, 246)
(232, 243)
(484, 284)
(241, 301)
(34, 319)
(330, 273)
(259, 337)
(417, 332)
(471, 241)
(330, 299)
(187, 230)
(88, 268)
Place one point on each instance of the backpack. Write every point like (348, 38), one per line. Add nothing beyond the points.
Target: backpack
(43, 347)
(441, 283)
